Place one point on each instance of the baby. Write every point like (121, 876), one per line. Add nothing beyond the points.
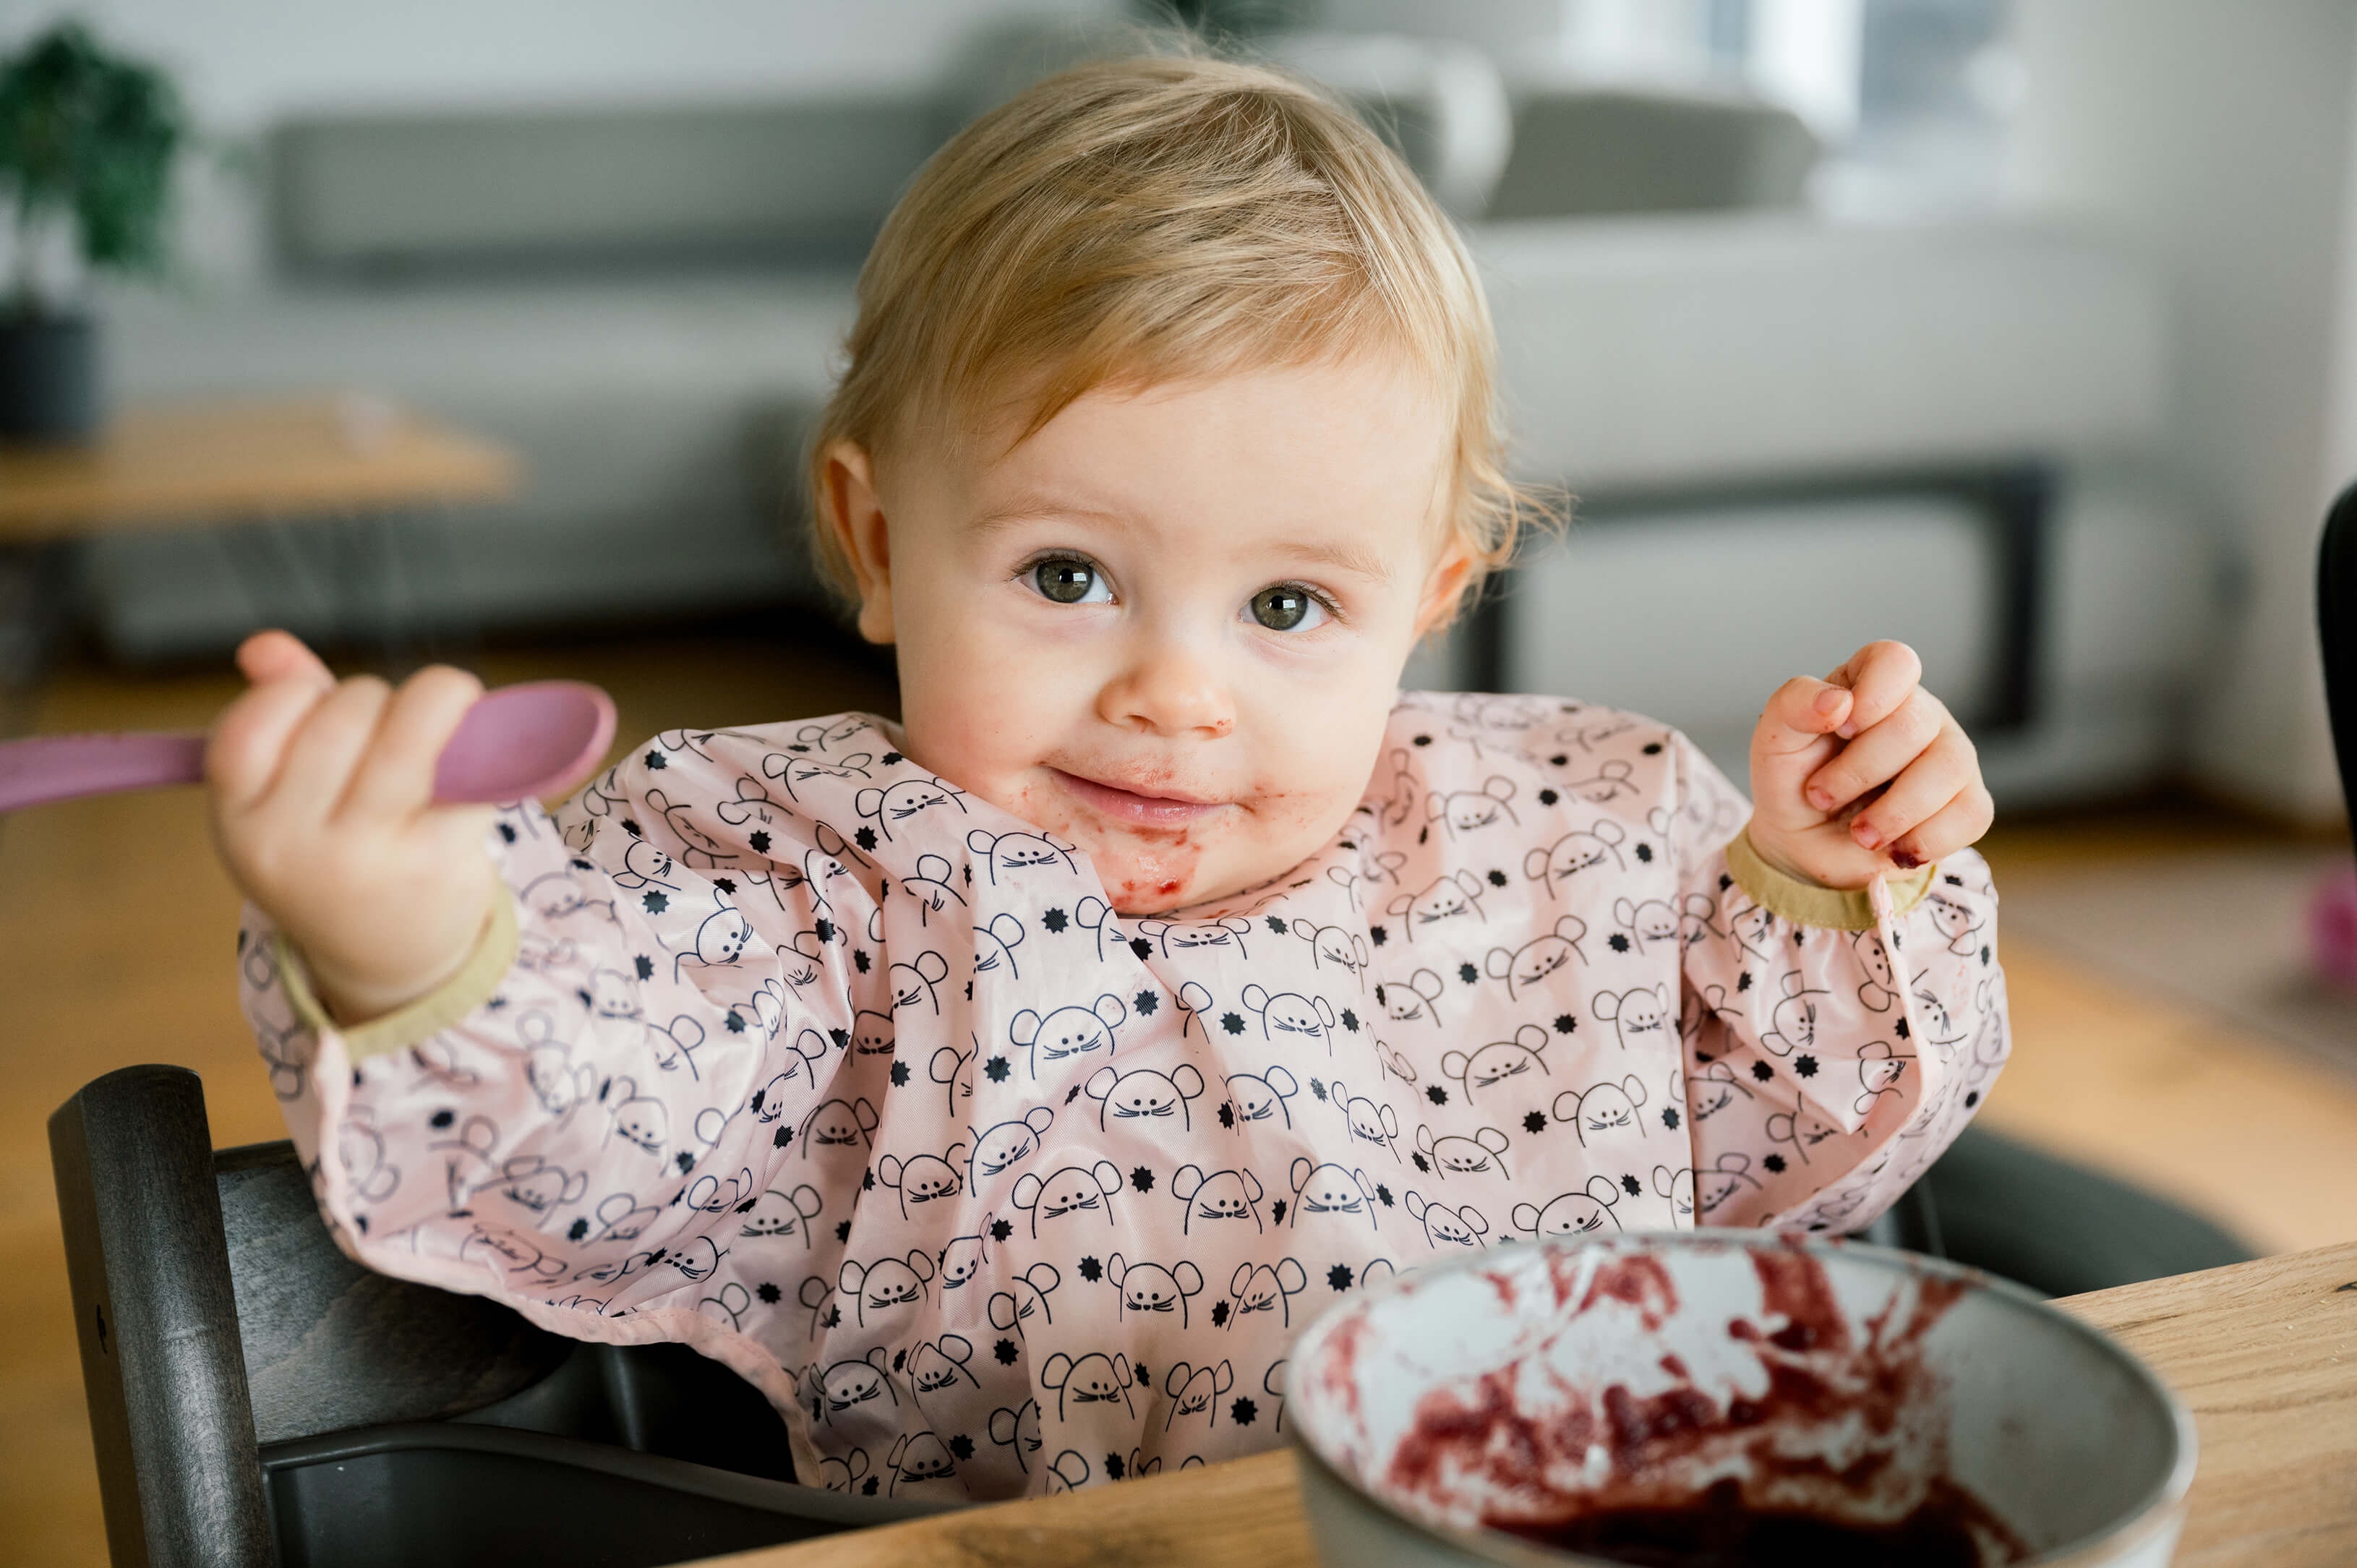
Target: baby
(1000, 1090)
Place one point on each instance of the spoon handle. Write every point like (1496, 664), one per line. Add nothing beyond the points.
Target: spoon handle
(45, 767)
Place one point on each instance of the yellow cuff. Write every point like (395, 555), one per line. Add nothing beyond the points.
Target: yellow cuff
(1805, 902)
(494, 955)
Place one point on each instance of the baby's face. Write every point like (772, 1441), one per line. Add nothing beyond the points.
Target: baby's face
(1167, 629)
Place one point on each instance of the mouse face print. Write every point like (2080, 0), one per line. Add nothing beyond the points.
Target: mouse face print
(796, 773)
(1640, 1014)
(871, 1034)
(638, 1120)
(1009, 1143)
(1454, 897)
(936, 1372)
(1346, 951)
(1571, 1213)
(1142, 1094)
(1068, 1031)
(1024, 1300)
(1444, 1226)
(1728, 1177)
(1073, 1193)
(514, 1254)
(539, 1189)
(1465, 811)
(1525, 969)
(835, 1124)
(644, 865)
(895, 806)
(924, 1179)
(1499, 1062)
(1262, 1097)
(1095, 1378)
(720, 940)
(1323, 1189)
(1793, 1020)
(1712, 1088)
(1800, 1132)
(1151, 1288)
(1652, 920)
(695, 1258)
(561, 896)
(963, 1257)
(1017, 1429)
(1678, 1186)
(774, 1216)
(800, 1061)
(994, 945)
(1396, 1064)
(1450, 1155)
(953, 1070)
(1407, 1001)
(1954, 921)
(1176, 937)
(854, 1387)
(1289, 1016)
(1880, 1067)
(1212, 1199)
(885, 1289)
(1613, 780)
(846, 1475)
(1368, 1121)
(674, 1044)
(1605, 1111)
(915, 982)
(1266, 1287)
(1753, 928)
(1196, 1391)
(1019, 855)
(1578, 851)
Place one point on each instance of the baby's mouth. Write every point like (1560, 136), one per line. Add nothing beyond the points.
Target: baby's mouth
(1134, 806)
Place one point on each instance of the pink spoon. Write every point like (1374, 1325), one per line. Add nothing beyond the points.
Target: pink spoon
(515, 743)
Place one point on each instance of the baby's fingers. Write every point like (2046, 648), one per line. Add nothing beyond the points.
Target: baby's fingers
(396, 775)
(1942, 771)
(249, 741)
(1957, 825)
(1879, 754)
(1881, 676)
(319, 760)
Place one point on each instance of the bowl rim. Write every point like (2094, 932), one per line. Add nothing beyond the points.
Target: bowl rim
(2155, 1511)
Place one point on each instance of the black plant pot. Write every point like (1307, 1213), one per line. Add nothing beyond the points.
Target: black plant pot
(49, 378)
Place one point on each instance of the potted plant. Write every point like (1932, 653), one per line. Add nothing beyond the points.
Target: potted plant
(87, 139)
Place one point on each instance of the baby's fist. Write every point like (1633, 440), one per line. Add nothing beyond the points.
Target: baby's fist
(1863, 773)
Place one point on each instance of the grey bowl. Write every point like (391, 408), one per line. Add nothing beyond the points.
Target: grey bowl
(2075, 1444)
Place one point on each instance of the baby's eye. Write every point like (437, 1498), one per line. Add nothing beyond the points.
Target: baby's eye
(1069, 580)
(1287, 606)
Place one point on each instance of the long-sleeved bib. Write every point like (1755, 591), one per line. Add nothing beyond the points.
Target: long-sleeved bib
(784, 1047)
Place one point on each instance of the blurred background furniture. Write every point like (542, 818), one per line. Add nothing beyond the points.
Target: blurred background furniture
(1750, 399)
(255, 1396)
(362, 478)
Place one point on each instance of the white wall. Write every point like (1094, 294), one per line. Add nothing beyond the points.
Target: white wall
(2221, 136)
(243, 64)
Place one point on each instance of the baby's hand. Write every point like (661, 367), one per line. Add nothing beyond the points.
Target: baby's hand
(1863, 773)
(322, 809)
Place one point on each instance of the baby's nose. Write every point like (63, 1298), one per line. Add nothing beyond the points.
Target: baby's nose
(1169, 688)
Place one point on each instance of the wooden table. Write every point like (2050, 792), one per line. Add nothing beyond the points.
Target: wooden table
(2265, 1353)
(344, 466)
(242, 461)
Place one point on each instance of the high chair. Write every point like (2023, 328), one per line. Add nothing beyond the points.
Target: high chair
(255, 1397)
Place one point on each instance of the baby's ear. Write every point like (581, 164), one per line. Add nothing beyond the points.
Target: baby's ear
(851, 521)
(1444, 585)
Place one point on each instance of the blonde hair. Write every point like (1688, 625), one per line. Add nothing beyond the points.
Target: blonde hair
(1137, 222)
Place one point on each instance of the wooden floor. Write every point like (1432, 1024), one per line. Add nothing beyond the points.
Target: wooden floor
(114, 949)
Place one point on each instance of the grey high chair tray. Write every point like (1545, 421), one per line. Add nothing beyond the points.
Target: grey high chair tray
(255, 1397)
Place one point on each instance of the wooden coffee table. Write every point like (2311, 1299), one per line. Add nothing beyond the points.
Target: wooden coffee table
(339, 467)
